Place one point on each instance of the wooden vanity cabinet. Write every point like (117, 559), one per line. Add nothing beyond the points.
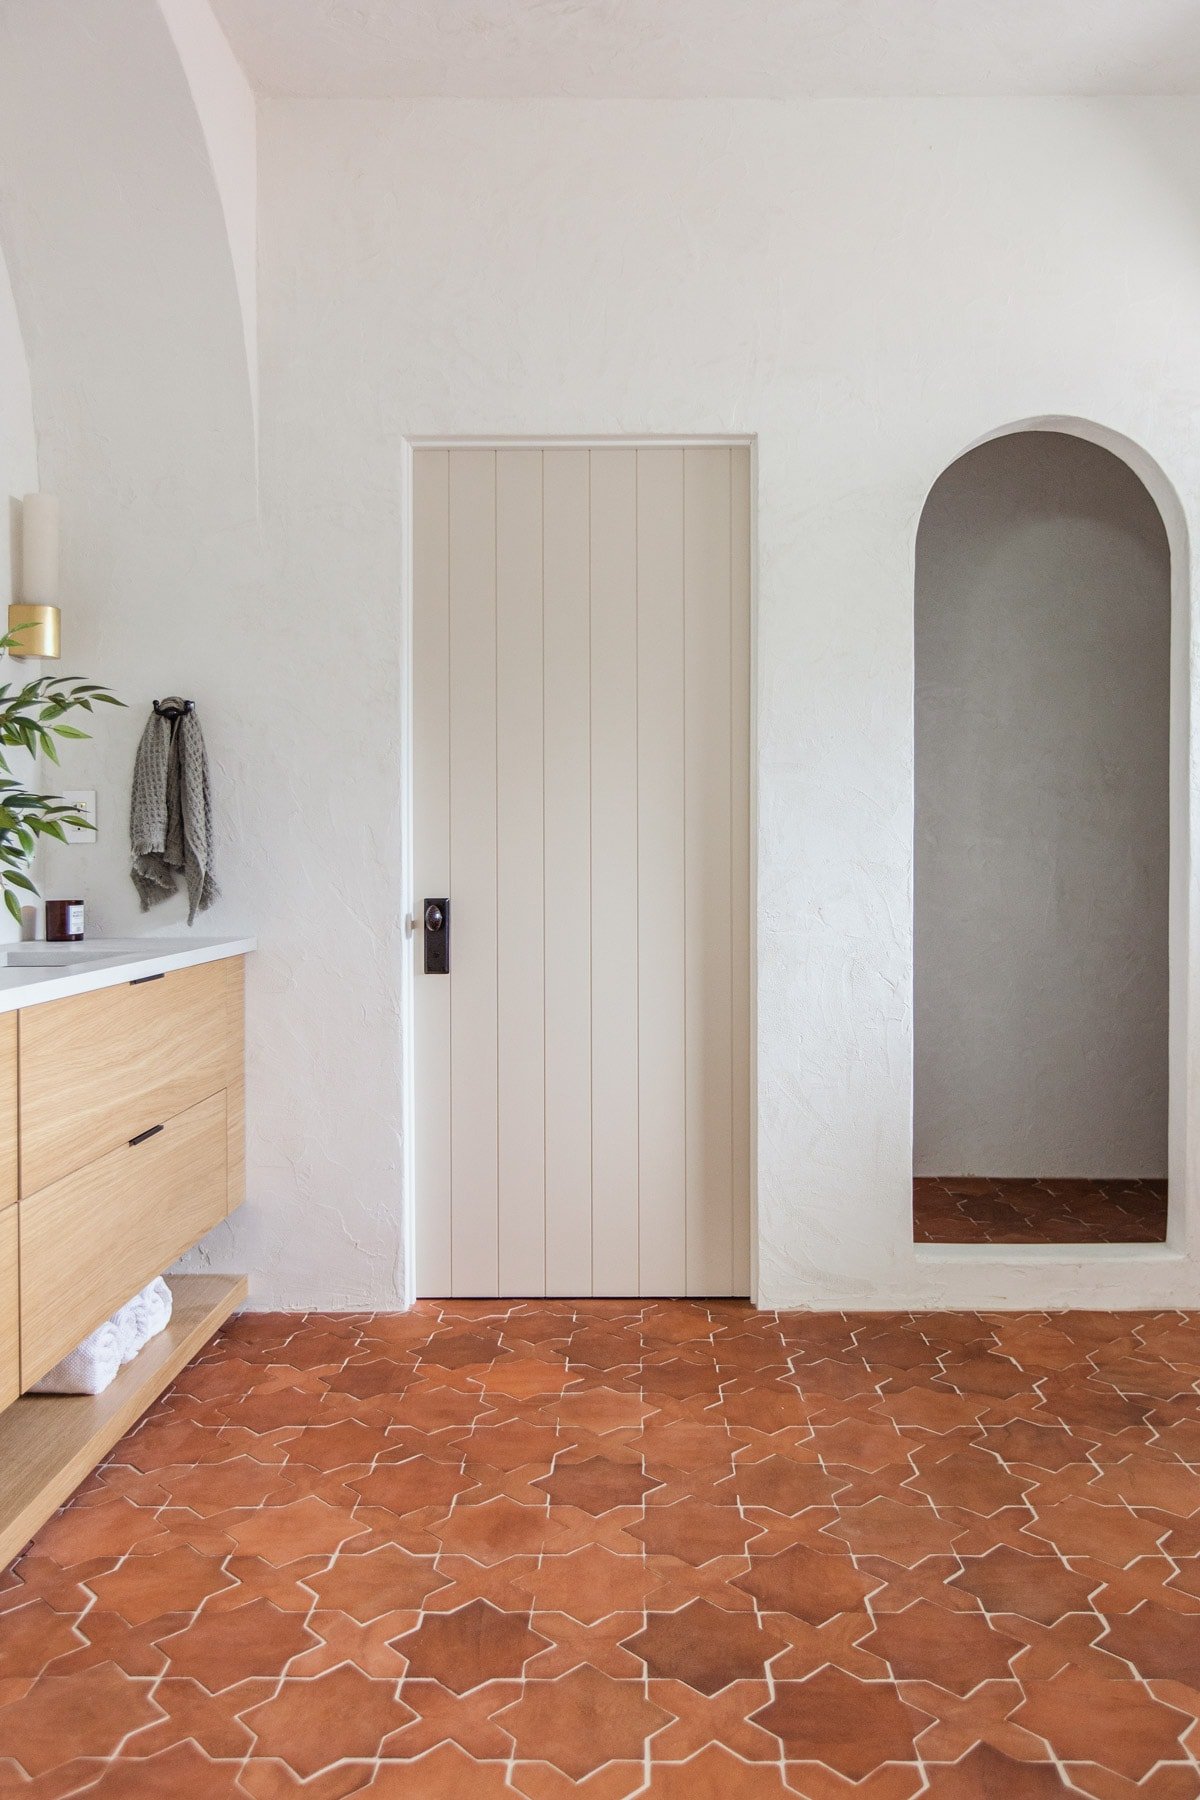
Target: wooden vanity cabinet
(10, 1364)
(131, 1120)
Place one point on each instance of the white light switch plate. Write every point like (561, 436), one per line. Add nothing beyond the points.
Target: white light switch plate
(82, 801)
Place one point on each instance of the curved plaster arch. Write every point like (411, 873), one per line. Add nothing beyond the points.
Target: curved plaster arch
(1184, 920)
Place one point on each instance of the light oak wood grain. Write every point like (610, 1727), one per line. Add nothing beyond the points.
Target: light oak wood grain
(235, 1080)
(8, 1109)
(91, 1240)
(10, 1310)
(98, 1068)
(49, 1443)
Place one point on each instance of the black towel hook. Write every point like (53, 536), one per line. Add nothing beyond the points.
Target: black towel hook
(173, 707)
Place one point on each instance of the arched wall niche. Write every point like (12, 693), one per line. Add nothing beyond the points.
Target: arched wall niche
(1181, 930)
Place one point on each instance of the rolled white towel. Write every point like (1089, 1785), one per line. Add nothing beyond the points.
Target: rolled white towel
(133, 1326)
(159, 1302)
(89, 1368)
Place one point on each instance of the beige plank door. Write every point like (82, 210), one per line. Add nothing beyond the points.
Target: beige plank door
(581, 644)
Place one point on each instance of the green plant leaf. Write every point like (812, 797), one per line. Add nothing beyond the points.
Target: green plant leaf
(13, 905)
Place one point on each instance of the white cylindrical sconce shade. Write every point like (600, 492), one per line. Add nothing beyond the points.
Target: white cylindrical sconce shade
(39, 550)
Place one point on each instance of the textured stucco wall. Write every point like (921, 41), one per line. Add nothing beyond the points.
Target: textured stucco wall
(869, 289)
(18, 475)
(1043, 610)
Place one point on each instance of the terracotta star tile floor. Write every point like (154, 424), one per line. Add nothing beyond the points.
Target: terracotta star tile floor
(969, 1209)
(607, 1549)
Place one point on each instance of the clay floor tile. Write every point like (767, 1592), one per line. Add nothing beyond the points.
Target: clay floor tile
(87, 1533)
(142, 1588)
(218, 1649)
(375, 1582)
(715, 1774)
(280, 1534)
(446, 1773)
(705, 1647)
(1168, 1487)
(1041, 1588)
(903, 1534)
(463, 1649)
(694, 1533)
(257, 1579)
(986, 1774)
(369, 1646)
(463, 1719)
(340, 1714)
(1161, 1645)
(67, 1716)
(364, 1380)
(215, 1487)
(861, 1444)
(680, 1379)
(406, 1487)
(813, 1586)
(181, 1770)
(781, 1484)
(1047, 1446)
(927, 1408)
(462, 1349)
(210, 1720)
(524, 1378)
(601, 1644)
(971, 1480)
(581, 1721)
(983, 1374)
(1110, 1534)
(335, 1446)
(31, 1636)
(1085, 1718)
(839, 1641)
(850, 1725)
(956, 1722)
(596, 1485)
(515, 1445)
(696, 1448)
(588, 1584)
(954, 1650)
(499, 1529)
(601, 1410)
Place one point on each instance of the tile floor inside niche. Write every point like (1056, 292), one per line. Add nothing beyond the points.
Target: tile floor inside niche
(969, 1209)
(605, 1549)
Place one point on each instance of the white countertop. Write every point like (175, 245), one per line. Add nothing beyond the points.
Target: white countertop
(100, 963)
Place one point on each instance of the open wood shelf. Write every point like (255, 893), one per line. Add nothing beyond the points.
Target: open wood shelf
(50, 1442)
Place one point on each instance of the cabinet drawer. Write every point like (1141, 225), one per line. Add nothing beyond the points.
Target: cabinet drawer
(10, 1377)
(8, 1109)
(94, 1238)
(98, 1068)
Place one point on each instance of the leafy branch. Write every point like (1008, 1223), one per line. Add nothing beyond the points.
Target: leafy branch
(31, 719)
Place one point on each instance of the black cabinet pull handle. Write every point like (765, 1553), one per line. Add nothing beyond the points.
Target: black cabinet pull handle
(141, 980)
(143, 1135)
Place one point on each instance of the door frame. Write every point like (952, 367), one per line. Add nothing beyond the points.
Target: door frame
(409, 1121)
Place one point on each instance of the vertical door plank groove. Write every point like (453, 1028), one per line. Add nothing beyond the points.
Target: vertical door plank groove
(473, 939)
(708, 949)
(519, 777)
(568, 904)
(660, 853)
(741, 881)
(614, 778)
(431, 857)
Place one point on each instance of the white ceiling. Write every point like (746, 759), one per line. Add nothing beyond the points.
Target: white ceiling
(657, 48)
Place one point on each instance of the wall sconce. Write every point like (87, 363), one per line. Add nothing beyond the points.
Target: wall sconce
(35, 616)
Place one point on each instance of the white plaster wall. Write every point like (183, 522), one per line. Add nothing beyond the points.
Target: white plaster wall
(225, 108)
(18, 475)
(869, 288)
(1043, 608)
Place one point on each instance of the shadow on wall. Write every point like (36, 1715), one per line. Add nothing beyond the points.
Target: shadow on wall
(1043, 694)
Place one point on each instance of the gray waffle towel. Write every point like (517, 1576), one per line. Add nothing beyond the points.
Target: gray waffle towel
(170, 816)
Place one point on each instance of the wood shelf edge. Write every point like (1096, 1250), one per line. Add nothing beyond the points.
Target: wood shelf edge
(49, 1443)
